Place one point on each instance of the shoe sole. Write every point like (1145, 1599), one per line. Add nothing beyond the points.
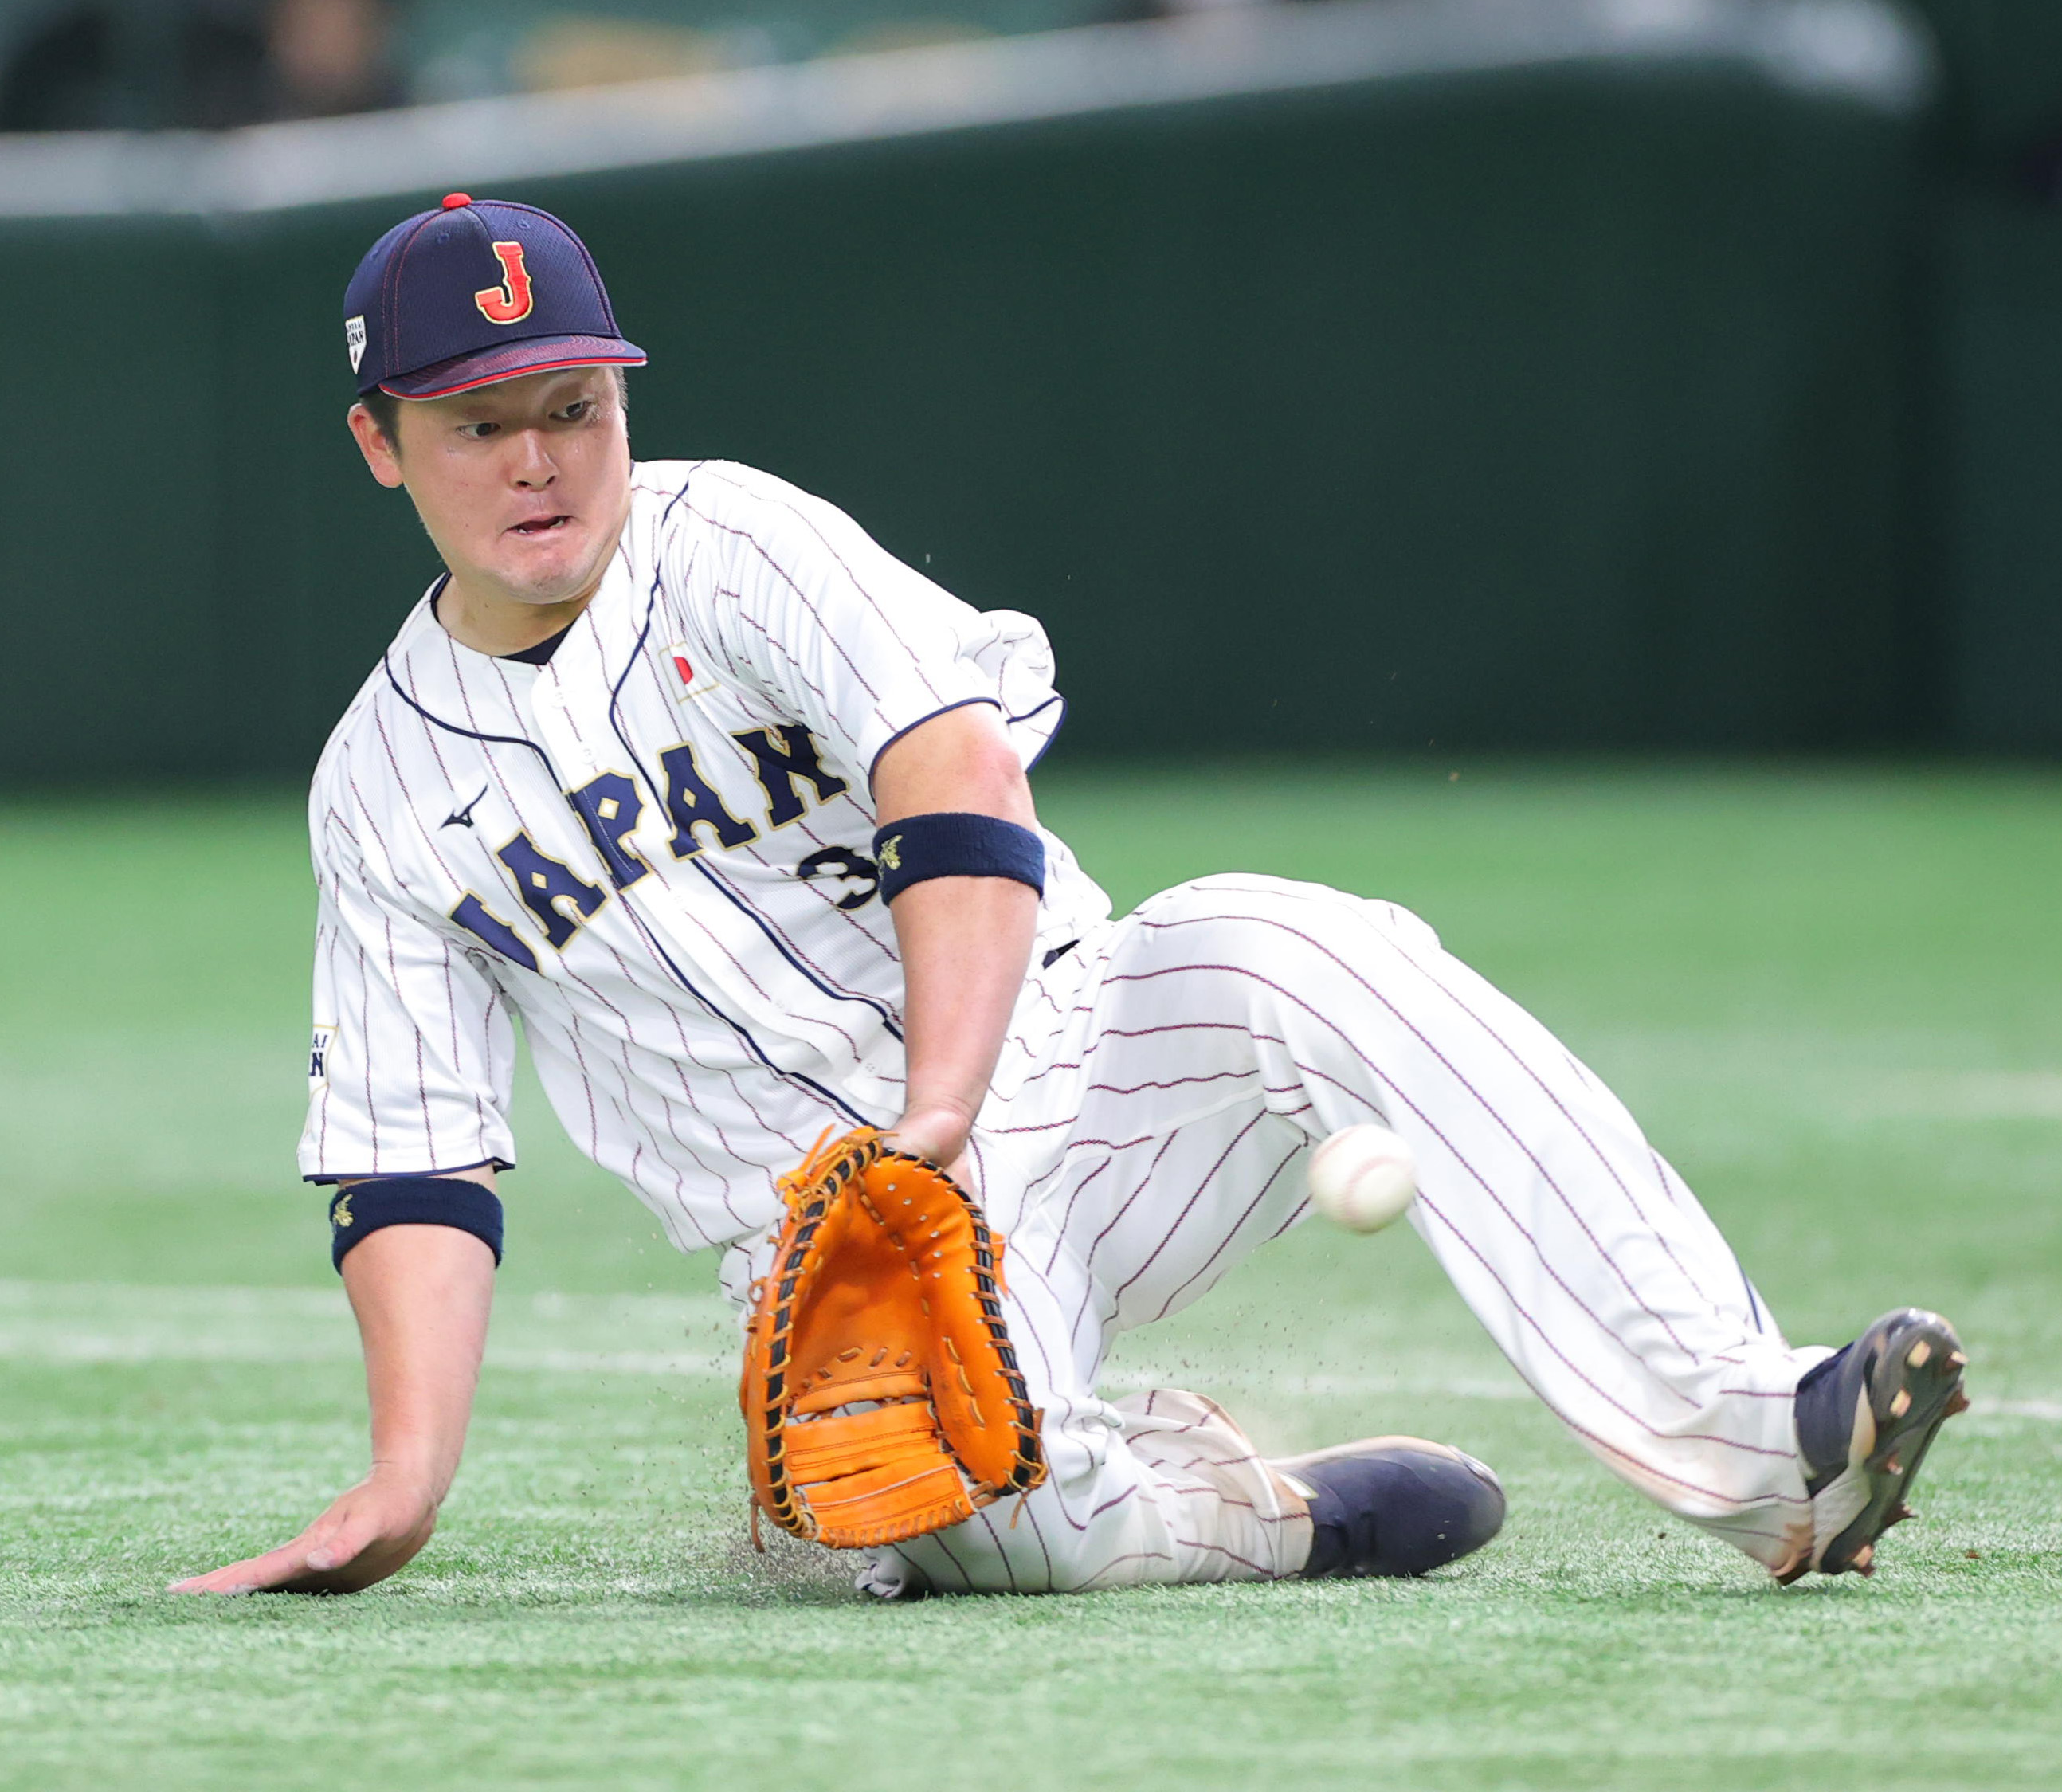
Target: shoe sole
(1914, 1389)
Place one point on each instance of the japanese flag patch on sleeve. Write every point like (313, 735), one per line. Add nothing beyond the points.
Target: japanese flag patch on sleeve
(684, 672)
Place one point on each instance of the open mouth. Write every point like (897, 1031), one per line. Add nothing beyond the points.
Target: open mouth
(541, 526)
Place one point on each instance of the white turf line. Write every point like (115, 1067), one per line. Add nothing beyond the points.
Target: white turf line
(82, 1324)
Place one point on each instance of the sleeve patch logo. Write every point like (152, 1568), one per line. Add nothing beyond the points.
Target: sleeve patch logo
(512, 301)
(319, 1058)
(353, 340)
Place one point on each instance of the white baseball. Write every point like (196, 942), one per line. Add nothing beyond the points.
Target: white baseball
(1362, 1177)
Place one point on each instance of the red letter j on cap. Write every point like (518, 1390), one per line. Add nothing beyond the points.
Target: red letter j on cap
(508, 302)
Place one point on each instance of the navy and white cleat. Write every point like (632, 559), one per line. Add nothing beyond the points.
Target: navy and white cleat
(1392, 1505)
(1865, 1419)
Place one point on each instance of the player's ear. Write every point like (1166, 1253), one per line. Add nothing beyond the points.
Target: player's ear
(381, 455)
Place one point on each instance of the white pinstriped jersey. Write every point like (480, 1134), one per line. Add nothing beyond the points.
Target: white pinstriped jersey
(654, 849)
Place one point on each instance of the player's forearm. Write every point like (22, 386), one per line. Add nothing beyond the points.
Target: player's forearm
(422, 1294)
(965, 944)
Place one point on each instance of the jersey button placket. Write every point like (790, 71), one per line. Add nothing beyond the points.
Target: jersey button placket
(548, 709)
(575, 766)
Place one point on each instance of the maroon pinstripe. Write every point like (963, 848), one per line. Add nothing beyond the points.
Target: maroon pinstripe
(1203, 1044)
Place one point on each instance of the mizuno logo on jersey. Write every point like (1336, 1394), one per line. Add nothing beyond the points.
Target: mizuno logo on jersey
(463, 818)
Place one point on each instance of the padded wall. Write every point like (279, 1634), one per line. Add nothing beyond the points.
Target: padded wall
(1545, 408)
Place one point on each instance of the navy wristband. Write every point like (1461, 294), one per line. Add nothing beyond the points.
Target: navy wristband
(357, 1211)
(950, 844)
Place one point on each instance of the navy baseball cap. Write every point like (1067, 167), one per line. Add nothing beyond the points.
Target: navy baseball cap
(475, 292)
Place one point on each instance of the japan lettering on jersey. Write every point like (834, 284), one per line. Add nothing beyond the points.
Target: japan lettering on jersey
(655, 848)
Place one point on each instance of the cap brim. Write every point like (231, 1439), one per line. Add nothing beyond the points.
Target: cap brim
(536, 354)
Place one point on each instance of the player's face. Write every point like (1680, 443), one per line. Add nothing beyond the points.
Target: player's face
(524, 486)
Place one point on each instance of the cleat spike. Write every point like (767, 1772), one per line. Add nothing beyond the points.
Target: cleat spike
(1864, 1426)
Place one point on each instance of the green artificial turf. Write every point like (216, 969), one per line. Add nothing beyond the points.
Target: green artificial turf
(1835, 998)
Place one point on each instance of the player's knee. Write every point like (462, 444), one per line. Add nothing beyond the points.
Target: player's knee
(1245, 918)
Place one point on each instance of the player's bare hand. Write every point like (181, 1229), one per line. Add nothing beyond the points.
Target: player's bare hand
(938, 1133)
(367, 1533)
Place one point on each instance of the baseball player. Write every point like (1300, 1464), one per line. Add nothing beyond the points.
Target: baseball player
(730, 807)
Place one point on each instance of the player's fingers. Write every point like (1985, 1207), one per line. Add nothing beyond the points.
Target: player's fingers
(235, 1578)
(338, 1539)
(332, 1538)
(357, 1542)
(254, 1575)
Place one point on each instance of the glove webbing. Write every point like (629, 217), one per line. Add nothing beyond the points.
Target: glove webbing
(868, 1453)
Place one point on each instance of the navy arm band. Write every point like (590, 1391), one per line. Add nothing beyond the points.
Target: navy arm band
(356, 1213)
(950, 844)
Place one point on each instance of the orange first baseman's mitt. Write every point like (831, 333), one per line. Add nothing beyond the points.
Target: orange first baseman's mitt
(881, 1397)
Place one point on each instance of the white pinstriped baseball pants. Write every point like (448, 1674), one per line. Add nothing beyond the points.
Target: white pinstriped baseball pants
(1212, 1037)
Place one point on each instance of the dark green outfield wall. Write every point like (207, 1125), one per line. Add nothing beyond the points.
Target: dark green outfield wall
(1569, 408)
(2001, 475)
